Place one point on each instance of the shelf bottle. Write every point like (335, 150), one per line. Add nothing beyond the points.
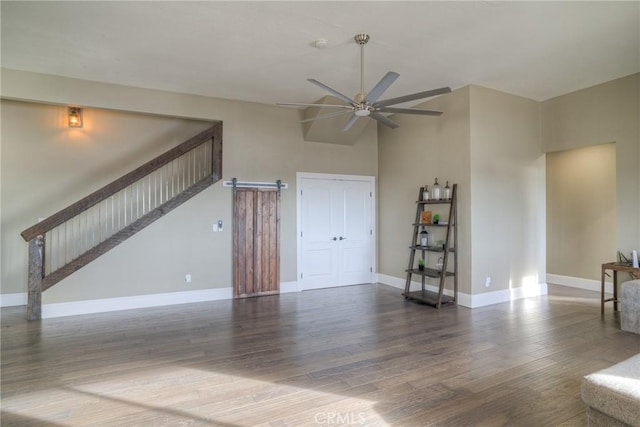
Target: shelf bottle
(424, 237)
(435, 191)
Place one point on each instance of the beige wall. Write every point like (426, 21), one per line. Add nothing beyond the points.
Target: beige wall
(507, 192)
(47, 166)
(602, 114)
(261, 142)
(581, 210)
(489, 143)
(412, 155)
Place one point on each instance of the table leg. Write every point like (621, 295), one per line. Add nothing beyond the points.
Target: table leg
(602, 292)
(615, 290)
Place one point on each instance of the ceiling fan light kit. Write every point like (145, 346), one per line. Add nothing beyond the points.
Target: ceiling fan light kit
(367, 104)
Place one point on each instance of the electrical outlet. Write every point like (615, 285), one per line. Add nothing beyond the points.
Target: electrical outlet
(187, 278)
(487, 282)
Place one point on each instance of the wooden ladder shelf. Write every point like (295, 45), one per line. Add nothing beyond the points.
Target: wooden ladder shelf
(450, 247)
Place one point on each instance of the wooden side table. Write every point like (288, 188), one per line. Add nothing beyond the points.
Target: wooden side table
(615, 267)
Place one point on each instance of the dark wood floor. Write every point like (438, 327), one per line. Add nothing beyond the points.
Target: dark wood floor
(358, 355)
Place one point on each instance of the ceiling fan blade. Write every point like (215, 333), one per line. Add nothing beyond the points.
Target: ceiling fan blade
(385, 120)
(350, 123)
(334, 92)
(379, 89)
(301, 104)
(409, 111)
(413, 96)
(324, 116)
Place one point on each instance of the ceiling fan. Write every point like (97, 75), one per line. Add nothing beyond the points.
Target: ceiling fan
(367, 104)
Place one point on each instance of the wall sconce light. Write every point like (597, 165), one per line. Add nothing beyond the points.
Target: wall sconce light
(75, 117)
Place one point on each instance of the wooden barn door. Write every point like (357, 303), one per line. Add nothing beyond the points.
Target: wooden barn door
(256, 242)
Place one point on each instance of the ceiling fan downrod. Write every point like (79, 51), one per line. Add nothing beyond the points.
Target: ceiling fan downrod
(361, 39)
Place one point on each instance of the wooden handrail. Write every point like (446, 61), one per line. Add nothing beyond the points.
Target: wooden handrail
(108, 190)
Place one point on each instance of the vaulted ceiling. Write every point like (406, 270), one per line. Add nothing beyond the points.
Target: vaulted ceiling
(265, 51)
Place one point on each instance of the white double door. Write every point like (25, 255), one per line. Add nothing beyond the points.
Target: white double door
(336, 231)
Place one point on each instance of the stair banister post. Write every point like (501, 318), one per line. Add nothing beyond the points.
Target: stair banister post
(216, 153)
(36, 273)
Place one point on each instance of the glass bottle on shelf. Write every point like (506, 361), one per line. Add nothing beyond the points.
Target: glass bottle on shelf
(435, 191)
(424, 237)
(425, 193)
(447, 191)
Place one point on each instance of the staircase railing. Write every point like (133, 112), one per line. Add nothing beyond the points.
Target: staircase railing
(73, 237)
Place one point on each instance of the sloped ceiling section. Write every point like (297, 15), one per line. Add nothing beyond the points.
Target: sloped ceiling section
(330, 129)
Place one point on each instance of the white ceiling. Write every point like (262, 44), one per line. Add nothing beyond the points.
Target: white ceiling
(263, 51)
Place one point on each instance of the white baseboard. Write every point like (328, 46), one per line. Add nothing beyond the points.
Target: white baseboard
(287, 287)
(125, 303)
(156, 300)
(506, 295)
(580, 283)
(139, 301)
(472, 301)
(142, 301)
(396, 282)
(12, 300)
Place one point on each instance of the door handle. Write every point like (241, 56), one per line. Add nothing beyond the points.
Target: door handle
(334, 239)
(343, 238)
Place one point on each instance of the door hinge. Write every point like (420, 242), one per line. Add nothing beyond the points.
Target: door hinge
(301, 192)
(301, 233)
(371, 269)
(301, 275)
(370, 194)
(371, 231)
